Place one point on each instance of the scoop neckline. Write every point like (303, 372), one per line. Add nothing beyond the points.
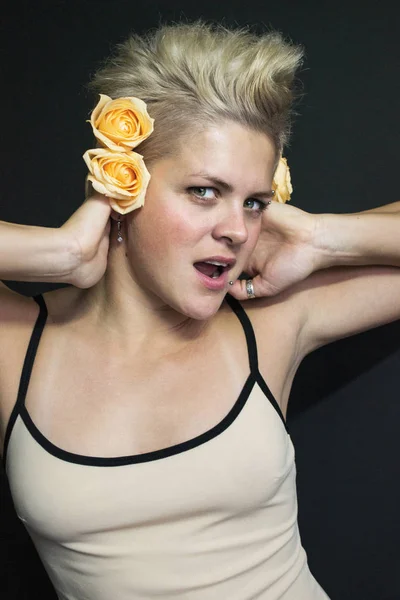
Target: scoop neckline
(181, 447)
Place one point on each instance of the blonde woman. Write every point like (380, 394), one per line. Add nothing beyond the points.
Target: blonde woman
(143, 407)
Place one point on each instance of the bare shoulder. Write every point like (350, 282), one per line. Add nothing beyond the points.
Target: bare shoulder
(18, 315)
(13, 307)
(277, 322)
(277, 316)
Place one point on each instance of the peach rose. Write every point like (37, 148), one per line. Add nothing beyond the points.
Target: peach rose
(282, 184)
(122, 176)
(121, 124)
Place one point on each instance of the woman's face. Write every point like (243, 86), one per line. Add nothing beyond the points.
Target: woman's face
(195, 234)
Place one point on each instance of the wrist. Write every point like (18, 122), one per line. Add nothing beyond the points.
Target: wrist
(357, 239)
(50, 255)
(67, 255)
(333, 244)
(43, 254)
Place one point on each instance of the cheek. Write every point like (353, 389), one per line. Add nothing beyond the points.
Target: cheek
(164, 231)
(178, 228)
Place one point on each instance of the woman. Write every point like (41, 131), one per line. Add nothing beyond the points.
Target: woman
(147, 452)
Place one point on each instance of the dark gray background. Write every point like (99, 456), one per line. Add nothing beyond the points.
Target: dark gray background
(344, 410)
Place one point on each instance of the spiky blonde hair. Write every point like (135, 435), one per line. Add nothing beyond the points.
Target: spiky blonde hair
(192, 75)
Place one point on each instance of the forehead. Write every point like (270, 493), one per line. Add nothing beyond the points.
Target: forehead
(230, 151)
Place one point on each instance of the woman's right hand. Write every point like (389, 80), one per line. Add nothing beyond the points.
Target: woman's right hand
(88, 231)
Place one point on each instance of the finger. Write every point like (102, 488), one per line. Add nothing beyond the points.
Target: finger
(104, 245)
(107, 229)
(261, 288)
(96, 210)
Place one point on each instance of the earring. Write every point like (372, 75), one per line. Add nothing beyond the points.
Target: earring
(119, 238)
(230, 282)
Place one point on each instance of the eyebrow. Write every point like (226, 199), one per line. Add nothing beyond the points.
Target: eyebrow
(227, 186)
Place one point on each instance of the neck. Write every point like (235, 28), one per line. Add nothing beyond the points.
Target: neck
(124, 310)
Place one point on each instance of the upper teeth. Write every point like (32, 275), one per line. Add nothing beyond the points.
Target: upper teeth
(218, 264)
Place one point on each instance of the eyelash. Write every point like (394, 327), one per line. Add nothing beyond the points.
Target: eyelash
(262, 205)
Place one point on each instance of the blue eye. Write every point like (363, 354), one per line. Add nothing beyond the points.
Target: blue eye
(255, 205)
(251, 204)
(201, 196)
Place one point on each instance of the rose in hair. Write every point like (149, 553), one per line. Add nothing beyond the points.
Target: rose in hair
(282, 184)
(122, 176)
(121, 124)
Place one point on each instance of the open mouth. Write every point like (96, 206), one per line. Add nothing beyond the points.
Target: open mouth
(211, 269)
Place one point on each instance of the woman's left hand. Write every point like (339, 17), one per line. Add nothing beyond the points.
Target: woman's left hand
(284, 254)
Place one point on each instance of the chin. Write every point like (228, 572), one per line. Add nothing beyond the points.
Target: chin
(200, 308)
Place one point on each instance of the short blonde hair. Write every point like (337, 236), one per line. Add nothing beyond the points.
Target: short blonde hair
(192, 75)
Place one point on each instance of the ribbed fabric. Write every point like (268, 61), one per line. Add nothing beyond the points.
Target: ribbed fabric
(213, 518)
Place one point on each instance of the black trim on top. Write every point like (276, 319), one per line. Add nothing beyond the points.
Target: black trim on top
(263, 385)
(117, 461)
(253, 355)
(71, 457)
(248, 331)
(26, 369)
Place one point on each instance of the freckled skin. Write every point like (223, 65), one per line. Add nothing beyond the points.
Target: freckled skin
(174, 229)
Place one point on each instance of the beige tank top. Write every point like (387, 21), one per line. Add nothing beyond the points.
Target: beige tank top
(213, 518)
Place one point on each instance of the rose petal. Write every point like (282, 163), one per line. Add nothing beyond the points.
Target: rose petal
(105, 121)
(123, 177)
(282, 183)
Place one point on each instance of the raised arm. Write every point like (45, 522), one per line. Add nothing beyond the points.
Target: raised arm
(370, 237)
(357, 285)
(394, 207)
(30, 253)
(75, 253)
(343, 271)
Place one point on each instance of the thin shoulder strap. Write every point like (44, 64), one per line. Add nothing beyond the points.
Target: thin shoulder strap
(248, 330)
(252, 351)
(27, 368)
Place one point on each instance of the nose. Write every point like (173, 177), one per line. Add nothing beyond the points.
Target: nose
(232, 226)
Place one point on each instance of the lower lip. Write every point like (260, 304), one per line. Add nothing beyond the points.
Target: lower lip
(217, 284)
